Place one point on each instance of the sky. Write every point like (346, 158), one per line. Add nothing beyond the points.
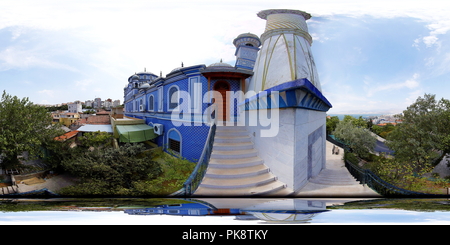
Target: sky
(371, 56)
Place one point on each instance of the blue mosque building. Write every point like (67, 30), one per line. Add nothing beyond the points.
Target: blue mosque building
(268, 107)
(156, 99)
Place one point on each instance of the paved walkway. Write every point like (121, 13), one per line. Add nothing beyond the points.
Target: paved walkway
(52, 184)
(335, 180)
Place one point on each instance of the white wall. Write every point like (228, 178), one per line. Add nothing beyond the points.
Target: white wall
(301, 133)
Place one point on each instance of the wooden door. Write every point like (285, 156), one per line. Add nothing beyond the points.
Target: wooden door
(222, 103)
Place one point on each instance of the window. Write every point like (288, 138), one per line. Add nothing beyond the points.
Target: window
(174, 97)
(160, 98)
(141, 104)
(195, 89)
(174, 141)
(151, 103)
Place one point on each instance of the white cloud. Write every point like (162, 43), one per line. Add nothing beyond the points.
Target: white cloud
(17, 57)
(83, 84)
(429, 40)
(409, 84)
(47, 92)
(123, 37)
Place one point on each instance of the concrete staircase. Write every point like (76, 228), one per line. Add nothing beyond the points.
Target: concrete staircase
(335, 180)
(333, 177)
(9, 190)
(235, 169)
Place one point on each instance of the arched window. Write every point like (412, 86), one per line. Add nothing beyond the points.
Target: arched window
(151, 103)
(174, 141)
(141, 104)
(174, 97)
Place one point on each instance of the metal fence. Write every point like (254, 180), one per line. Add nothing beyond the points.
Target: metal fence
(198, 173)
(369, 178)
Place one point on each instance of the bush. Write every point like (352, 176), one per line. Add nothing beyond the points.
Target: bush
(110, 171)
(175, 172)
(351, 157)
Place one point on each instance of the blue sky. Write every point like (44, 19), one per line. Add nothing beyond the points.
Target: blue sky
(372, 56)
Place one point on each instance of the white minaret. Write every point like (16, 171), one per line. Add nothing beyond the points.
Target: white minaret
(285, 54)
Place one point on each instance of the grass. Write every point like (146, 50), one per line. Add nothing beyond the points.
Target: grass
(175, 173)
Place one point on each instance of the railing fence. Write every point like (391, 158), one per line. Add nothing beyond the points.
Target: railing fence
(194, 180)
(369, 178)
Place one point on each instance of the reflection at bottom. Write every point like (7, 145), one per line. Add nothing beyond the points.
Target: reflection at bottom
(268, 210)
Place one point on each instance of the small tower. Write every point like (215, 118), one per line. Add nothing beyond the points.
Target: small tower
(285, 81)
(247, 47)
(286, 50)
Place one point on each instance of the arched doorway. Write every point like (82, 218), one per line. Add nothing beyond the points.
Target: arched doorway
(222, 103)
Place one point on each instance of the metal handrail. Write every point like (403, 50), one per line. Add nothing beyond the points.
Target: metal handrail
(194, 180)
(366, 176)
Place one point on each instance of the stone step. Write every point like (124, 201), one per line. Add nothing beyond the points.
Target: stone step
(230, 173)
(234, 154)
(231, 139)
(232, 146)
(231, 133)
(275, 188)
(235, 163)
(334, 177)
(8, 190)
(235, 183)
(230, 128)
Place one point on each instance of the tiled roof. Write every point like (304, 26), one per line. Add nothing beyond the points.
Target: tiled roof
(102, 113)
(67, 136)
(98, 120)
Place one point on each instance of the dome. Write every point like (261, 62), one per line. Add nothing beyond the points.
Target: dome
(247, 39)
(135, 77)
(176, 69)
(145, 73)
(220, 64)
(145, 86)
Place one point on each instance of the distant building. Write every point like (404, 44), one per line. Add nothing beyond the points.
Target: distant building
(75, 107)
(68, 118)
(89, 103)
(98, 103)
(116, 103)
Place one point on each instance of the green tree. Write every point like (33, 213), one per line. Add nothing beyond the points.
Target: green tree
(110, 170)
(358, 122)
(401, 174)
(95, 139)
(331, 124)
(24, 127)
(423, 131)
(359, 139)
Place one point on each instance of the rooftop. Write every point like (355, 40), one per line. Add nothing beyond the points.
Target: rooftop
(95, 128)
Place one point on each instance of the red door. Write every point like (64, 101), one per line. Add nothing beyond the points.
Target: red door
(222, 104)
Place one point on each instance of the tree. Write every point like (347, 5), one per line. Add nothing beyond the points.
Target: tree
(24, 127)
(423, 132)
(95, 139)
(110, 169)
(401, 174)
(358, 122)
(359, 139)
(331, 124)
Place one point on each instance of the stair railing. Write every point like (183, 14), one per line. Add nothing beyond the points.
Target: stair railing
(196, 177)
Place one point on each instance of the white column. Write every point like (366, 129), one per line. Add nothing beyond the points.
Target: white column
(285, 54)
